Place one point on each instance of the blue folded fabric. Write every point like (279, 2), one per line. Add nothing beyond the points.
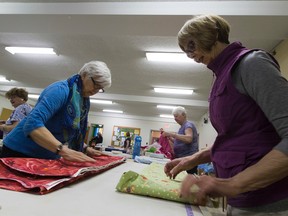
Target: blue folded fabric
(140, 159)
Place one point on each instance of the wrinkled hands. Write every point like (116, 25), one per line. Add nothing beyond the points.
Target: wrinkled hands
(201, 189)
(174, 167)
(168, 134)
(76, 156)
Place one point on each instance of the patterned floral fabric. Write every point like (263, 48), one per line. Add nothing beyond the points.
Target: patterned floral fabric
(152, 182)
(43, 176)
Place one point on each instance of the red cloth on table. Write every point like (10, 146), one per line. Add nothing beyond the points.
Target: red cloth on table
(42, 176)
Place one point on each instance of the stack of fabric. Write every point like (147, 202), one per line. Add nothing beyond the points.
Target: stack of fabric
(152, 182)
(42, 176)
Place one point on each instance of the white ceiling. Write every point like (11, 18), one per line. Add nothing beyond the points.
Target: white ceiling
(119, 33)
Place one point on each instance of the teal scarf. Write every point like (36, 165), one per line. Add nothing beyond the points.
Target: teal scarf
(76, 114)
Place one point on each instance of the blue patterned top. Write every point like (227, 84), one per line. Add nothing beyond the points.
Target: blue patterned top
(19, 113)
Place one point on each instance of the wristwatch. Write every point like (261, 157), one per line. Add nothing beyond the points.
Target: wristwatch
(59, 148)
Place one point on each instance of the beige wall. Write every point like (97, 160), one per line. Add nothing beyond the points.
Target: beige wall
(281, 55)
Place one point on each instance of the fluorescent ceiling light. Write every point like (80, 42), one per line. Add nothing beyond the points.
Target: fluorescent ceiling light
(3, 79)
(30, 50)
(168, 57)
(113, 111)
(100, 101)
(166, 116)
(33, 96)
(174, 91)
(165, 107)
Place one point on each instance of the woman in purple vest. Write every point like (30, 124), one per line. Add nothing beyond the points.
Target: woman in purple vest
(249, 110)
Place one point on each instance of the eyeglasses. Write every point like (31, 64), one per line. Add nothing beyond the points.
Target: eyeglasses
(191, 47)
(101, 90)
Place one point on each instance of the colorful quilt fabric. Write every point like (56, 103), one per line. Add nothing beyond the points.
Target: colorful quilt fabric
(152, 182)
(43, 176)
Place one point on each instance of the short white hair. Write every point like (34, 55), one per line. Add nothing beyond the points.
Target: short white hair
(179, 110)
(99, 71)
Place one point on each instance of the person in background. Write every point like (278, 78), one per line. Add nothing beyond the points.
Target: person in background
(127, 143)
(166, 145)
(95, 140)
(249, 110)
(185, 142)
(18, 98)
(57, 125)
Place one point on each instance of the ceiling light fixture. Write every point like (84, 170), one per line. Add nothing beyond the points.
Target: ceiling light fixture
(168, 57)
(112, 111)
(165, 107)
(174, 91)
(30, 50)
(166, 116)
(100, 101)
(33, 96)
(3, 79)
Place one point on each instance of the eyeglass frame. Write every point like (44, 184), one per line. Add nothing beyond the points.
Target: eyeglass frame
(101, 90)
(191, 47)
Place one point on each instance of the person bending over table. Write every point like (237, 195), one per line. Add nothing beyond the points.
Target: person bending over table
(57, 125)
(249, 110)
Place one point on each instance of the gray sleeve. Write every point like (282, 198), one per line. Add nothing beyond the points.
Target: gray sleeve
(258, 76)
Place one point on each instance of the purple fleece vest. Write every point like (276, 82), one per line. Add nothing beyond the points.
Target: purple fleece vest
(244, 133)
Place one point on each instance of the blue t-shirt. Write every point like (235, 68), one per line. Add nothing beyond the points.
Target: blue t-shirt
(48, 112)
(182, 149)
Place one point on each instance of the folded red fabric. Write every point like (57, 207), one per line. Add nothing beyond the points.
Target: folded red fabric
(42, 176)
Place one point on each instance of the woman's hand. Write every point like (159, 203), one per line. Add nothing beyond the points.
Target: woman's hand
(72, 155)
(199, 189)
(174, 167)
(167, 134)
(169, 166)
(93, 152)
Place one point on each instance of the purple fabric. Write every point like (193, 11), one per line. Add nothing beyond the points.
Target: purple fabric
(244, 133)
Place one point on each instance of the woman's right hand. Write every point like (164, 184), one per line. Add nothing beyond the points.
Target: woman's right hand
(171, 165)
(174, 167)
(75, 156)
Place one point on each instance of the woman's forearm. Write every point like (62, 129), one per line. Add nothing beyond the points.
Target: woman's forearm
(43, 137)
(271, 168)
(202, 156)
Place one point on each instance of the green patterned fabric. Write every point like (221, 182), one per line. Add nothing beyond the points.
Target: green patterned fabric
(152, 182)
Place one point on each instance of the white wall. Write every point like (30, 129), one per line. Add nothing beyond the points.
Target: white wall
(5, 103)
(207, 133)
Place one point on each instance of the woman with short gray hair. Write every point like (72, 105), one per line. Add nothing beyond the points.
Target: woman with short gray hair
(185, 141)
(248, 107)
(57, 125)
